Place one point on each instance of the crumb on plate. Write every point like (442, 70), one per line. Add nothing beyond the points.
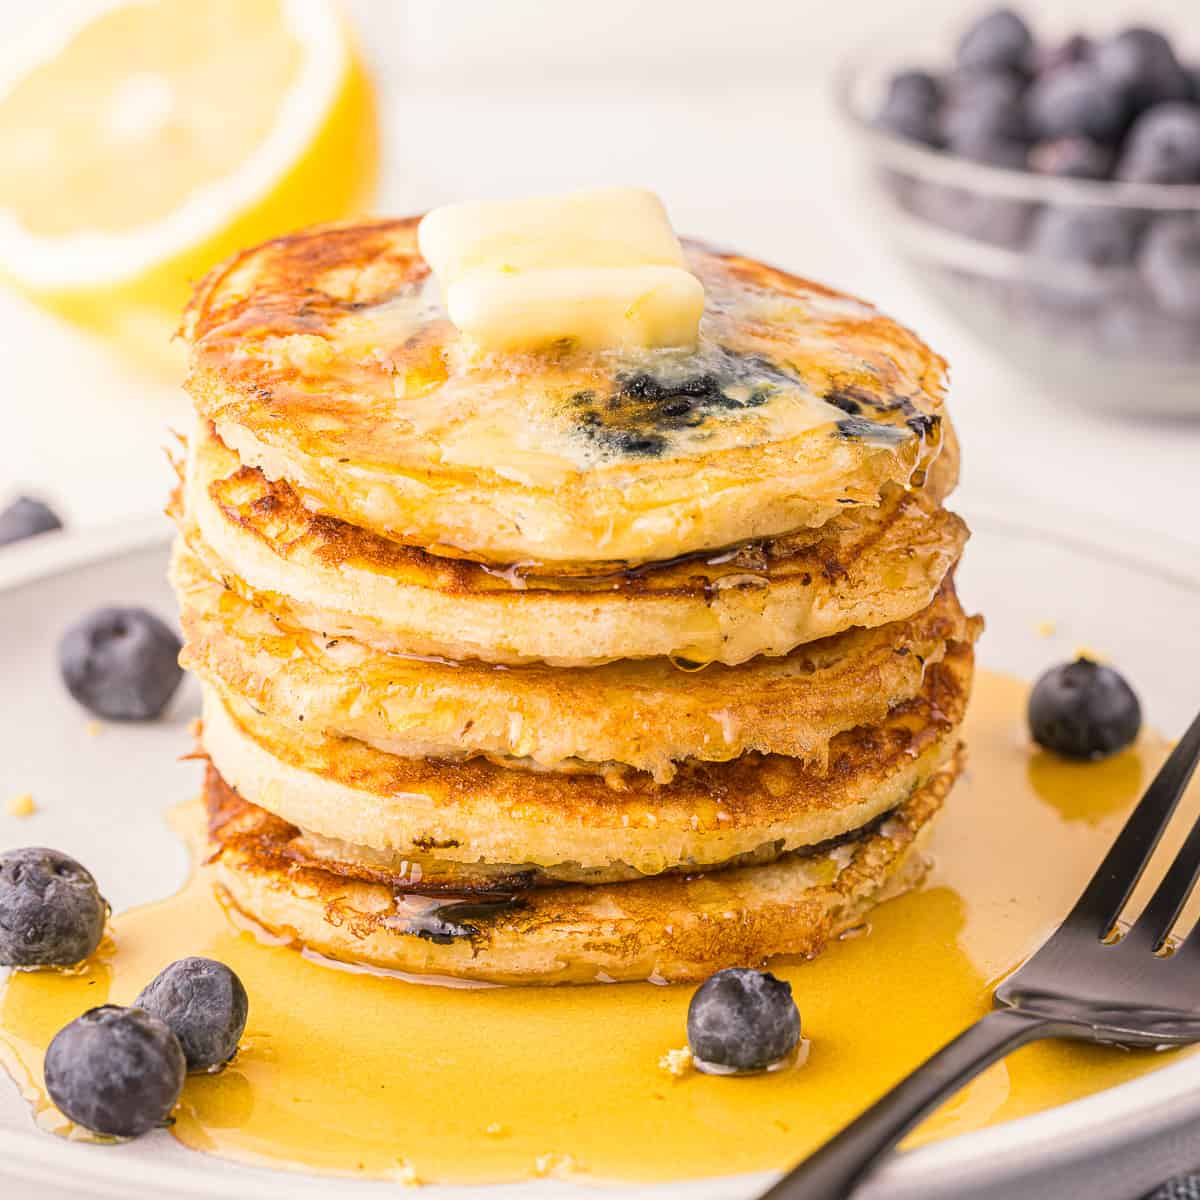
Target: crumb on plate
(22, 805)
(406, 1175)
(547, 1166)
(677, 1063)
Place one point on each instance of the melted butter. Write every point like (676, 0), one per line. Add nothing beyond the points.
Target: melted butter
(448, 403)
(358, 1074)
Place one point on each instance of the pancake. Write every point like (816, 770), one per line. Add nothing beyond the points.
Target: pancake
(867, 567)
(425, 874)
(326, 359)
(666, 929)
(476, 812)
(647, 715)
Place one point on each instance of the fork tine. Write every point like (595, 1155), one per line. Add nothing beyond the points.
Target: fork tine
(1110, 887)
(1167, 903)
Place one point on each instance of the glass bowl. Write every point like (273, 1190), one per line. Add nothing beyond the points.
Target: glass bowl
(1101, 335)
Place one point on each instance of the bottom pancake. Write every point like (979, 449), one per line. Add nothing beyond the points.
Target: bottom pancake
(580, 827)
(672, 928)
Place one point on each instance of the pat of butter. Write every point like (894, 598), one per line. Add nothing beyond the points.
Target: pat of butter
(593, 307)
(598, 269)
(610, 227)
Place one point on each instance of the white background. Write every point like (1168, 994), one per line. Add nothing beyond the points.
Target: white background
(721, 107)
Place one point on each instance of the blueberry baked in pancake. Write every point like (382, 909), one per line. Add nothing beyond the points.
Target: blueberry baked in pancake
(328, 359)
(570, 603)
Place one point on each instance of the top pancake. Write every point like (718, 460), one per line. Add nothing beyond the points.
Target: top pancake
(325, 358)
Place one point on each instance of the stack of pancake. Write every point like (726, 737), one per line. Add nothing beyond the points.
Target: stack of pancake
(564, 667)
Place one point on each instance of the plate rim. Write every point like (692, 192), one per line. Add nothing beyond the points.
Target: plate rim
(1091, 1126)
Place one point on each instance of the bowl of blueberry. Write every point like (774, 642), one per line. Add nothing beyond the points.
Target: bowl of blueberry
(1047, 188)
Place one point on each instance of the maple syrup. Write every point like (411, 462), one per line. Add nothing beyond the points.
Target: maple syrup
(350, 1072)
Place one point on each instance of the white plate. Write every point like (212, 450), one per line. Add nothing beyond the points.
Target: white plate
(101, 798)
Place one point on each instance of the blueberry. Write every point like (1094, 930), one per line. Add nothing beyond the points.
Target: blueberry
(966, 85)
(1170, 263)
(1163, 146)
(117, 1071)
(204, 1004)
(914, 124)
(1142, 62)
(25, 518)
(984, 117)
(1072, 158)
(917, 89)
(742, 1020)
(999, 39)
(1075, 49)
(1083, 256)
(1134, 328)
(1077, 101)
(51, 912)
(1083, 710)
(981, 116)
(983, 218)
(910, 109)
(120, 663)
(1101, 238)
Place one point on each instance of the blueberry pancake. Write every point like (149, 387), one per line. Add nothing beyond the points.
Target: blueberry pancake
(476, 812)
(646, 714)
(570, 603)
(866, 567)
(326, 359)
(670, 928)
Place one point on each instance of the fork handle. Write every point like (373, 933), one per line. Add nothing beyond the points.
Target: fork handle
(832, 1171)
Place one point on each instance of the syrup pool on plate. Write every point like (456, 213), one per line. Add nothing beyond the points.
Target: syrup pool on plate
(358, 1074)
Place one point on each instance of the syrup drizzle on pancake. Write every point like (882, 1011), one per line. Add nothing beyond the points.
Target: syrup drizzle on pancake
(325, 358)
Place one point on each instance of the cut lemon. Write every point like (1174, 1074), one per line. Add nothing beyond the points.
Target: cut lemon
(141, 141)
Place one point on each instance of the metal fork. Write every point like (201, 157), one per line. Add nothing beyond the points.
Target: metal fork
(1083, 984)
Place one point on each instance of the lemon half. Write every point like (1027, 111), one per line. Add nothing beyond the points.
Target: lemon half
(142, 141)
